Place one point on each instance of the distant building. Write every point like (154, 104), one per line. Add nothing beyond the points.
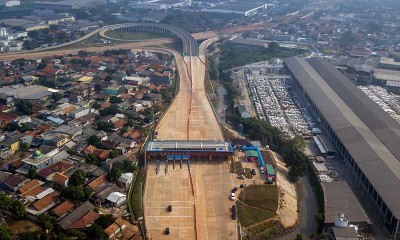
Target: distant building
(244, 112)
(12, 3)
(78, 113)
(246, 9)
(249, 42)
(389, 63)
(149, 5)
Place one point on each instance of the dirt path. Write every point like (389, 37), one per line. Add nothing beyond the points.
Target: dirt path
(287, 208)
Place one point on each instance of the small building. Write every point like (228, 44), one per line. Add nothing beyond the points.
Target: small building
(62, 209)
(75, 215)
(78, 113)
(60, 180)
(116, 199)
(244, 112)
(37, 161)
(126, 179)
(13, 183)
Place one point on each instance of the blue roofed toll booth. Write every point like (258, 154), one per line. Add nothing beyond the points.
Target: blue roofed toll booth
(175, 150)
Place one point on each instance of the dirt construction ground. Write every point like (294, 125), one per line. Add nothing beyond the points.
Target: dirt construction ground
(212, 185)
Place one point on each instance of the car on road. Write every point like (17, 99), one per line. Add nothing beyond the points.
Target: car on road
(253, 171)
(232, 197)
(233, 209)
(234, 189)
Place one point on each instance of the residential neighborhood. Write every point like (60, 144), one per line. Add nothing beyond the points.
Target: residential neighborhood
(72, 130)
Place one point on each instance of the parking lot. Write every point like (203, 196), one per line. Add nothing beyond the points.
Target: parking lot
(212, 184)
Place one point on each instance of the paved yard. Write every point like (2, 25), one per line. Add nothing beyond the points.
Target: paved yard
(212, 184)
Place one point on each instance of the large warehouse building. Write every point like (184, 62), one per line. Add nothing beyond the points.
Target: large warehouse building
(366, 137)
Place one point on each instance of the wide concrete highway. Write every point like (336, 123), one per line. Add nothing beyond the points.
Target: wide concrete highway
(190, 116)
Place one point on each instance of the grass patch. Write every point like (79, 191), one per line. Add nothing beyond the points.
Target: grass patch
(233, 55)
(176, 45)
(137, 198)
(249, 215)
(268, 158)
(235, 167)
(261, 196)
(247, 173)
(267, 230)
(134, 36)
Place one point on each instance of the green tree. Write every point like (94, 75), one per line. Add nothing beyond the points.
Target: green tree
(10, 127)
(61, 236)
(105, 220)
(105, 126)
(56, 96)
(77, 178)
(24, 107)
(96, 105)
(28, 236)
(25, 146)
(46, 221)
(77, 193)
(114, 99)
(114, 174)
(93, 140)
(32, 173)
(4, 201)
(113, 154)
(98, 87)
(299, 237)
(6, 233)
(92, 158)
(18, 209)
(97, 232)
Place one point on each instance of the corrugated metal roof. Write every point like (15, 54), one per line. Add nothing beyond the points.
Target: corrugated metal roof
(368, 133)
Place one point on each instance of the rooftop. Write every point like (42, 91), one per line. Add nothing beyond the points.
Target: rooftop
(63, 208)
(194, 145)
(239, 7)
(369, 134)
(339, 198)
(386, 75)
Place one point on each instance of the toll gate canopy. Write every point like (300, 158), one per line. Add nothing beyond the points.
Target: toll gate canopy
(171, 149)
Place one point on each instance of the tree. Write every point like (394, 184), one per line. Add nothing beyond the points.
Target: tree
(113, 154)
(18, 209)
(56, 96)
(76, 193)
(96, 105)
(105, 126)
(32, 173)
(61, 236)
(108, 78)
(6, 233)
(96, 232)
(28, 236)
(92, 158)
(4, 201)
(98, 87)
(114, 99)
(10, 127)
(114, 174)
(273, 46)
(24, 107)
(93, 140)
(46, 221)
(299, 237)
(105, 220)
(77, 178)
(25, 146)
